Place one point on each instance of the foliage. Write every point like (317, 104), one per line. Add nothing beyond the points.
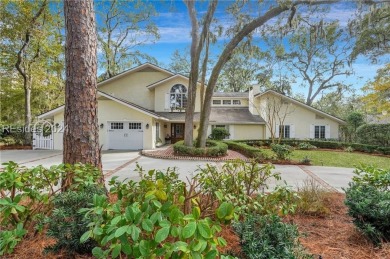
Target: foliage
(149, 220)
(377, 99)
(28, 193)
(243, 185)
(246, 150)
(283, 152)
(268, 237)
(66, 224)
(368, 201)
(10, 238)
(219, 133)
(354, 120)
(213, 149)
(311, 199)
(374, 134)
(305, 146)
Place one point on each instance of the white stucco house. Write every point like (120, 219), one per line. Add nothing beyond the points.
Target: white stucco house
(144, 107)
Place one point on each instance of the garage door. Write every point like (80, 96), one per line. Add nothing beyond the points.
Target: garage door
(125, 135)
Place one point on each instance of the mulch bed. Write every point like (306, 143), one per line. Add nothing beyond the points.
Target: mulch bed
(333, 237)
(15, 147)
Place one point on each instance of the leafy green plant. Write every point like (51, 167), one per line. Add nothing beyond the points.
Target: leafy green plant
(150, 220)
(349, 149)
(219, 133)
(282, 152)
(268, 237)
(10, 238)
(305, 146)
(306, 160)
(311, 199)
(66, 224)
(27, 193)
(247, 150)
(368, 201)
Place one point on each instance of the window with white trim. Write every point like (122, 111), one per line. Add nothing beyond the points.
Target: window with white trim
(236, 102)
(319, 131)
(178, 96)
(216, 102)
(284, 131)
(135, 125)
(116, 125)
(227, 102)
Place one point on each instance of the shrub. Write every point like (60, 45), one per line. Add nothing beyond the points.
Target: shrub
(311, 199)
(248, 151)
(349, 149)
(219, 133)
(305, 146)
(374, 134)
(213, 149)
(243, 185)
(155, 217)
(368, 201)
(67, 225)
(268, 237)
(282, 152)
(384, 150)
(306, 160)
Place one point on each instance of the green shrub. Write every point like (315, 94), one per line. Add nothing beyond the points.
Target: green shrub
(305, 146)
(67, 225)
(213, 149)
(219, 133)
(384, 150)
(248, 151)
(283, 152)
(368, 201)
(155, 217)
(10, 238)
(243, 185)
(374, 134)
(268, 237)
(27, 193)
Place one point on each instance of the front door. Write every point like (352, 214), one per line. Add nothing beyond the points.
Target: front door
(177, 132)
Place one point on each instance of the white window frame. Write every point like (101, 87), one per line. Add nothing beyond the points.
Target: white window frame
(238, 102)
(321, 131)
(217, 102)
(227, 100)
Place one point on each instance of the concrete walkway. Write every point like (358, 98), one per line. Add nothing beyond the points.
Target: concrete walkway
(123, 164)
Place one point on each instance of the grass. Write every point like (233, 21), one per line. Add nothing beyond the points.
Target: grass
(340, 159)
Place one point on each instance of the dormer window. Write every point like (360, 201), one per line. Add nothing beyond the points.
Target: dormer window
(178, 96)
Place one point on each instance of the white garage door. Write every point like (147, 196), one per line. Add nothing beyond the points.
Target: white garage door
(125, 135)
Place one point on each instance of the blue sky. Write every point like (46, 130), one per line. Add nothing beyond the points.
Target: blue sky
(174, 29)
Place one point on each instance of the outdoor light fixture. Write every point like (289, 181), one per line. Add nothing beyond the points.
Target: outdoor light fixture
(194, 126)
(57, 125)
(101, 125)
(147, 126)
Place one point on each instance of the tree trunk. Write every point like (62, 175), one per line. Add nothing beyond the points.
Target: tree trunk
(81, 135)
(27, 111)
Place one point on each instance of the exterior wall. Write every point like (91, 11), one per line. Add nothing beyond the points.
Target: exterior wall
(160, 92)
(112, 111)
(249, 132)
(132, 87)
(244, 102)
(301, 119)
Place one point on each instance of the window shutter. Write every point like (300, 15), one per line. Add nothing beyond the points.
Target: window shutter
(327, 131)
(277, 131)
(292, 131)
(311, 131)
(167, 101)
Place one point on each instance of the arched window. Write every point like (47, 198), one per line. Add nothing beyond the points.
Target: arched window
(178, 96)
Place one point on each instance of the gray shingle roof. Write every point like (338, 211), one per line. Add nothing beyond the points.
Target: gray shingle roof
(219, 115)
(231, 94)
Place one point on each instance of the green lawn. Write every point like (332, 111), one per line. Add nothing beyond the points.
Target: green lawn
(340, 159)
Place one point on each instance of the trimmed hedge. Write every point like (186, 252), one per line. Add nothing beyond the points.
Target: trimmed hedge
(377, 134)
(247, 150)
(321, 144)
(213, 149)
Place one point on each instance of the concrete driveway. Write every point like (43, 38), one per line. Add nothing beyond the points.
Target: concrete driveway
(123, 164)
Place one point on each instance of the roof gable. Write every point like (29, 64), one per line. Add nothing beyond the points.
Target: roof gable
(302, 105)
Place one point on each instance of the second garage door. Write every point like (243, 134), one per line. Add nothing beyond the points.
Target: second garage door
(125, 135)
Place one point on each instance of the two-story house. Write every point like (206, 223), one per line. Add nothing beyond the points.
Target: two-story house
(145, 106)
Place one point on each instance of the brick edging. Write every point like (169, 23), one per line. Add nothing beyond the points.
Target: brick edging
(318, 179)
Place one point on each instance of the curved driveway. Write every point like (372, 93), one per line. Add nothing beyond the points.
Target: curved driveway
(123, 164)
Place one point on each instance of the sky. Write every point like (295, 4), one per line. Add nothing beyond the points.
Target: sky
(174, 28)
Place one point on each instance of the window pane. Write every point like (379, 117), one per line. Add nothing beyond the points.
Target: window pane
(237, 102)
(227, 102)
(217, 102)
